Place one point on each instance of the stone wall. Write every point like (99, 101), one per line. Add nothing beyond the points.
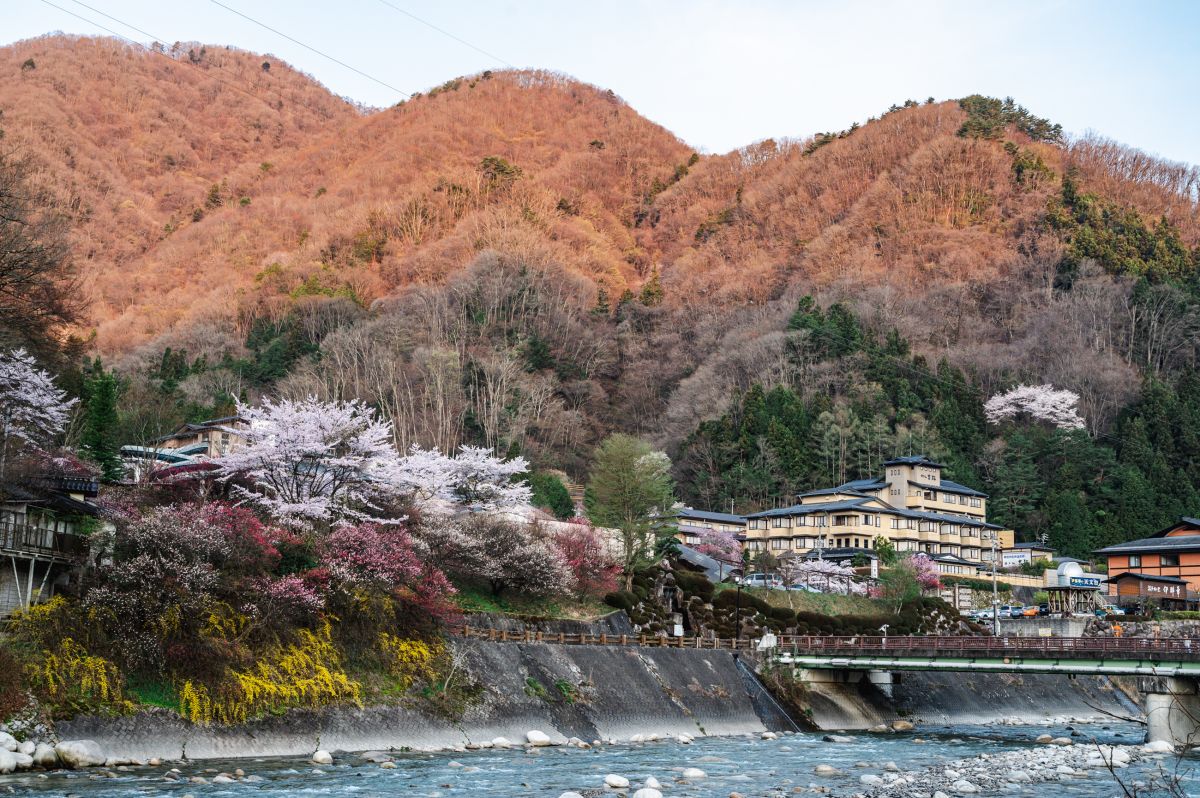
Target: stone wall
(1100, 627)
(616, 693)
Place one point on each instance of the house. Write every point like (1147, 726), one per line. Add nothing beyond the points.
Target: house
(693, 524)
(911, 506)
(1172, 552)
(43, 528)
(1023, 553)
(1164, 591)
(187, 445)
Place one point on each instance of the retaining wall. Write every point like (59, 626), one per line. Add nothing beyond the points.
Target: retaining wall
(619, 692)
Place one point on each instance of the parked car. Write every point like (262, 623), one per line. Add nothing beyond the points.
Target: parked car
(1109, 609)
(1029, 612)
(769, 581)
(1043, 610)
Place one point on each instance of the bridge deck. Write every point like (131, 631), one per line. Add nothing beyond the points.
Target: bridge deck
(1072, 655)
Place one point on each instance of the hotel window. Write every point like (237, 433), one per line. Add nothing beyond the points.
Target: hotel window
(976, 502)
(1135, 561)
(1168, 559)
(778, 543)
(801, 520)
(895, 523)
(779, 522)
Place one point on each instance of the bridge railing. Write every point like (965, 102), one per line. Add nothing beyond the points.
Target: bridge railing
(1063, 647)
(864, 645)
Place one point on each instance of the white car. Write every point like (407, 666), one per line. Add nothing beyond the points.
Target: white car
(769, 581)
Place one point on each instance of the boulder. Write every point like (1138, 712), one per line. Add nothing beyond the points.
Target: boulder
(647, 792)
(1064, 741)
(964, 787)
(693, 773)
(825, 770)
(322, 758)
(901, 725)
(769, 735)
(80, 753)
(8, 742)
(1158, 747)
(837, 738)
(44, 756)
(389, 765)
(501, 742)
(615, 781)
(880, 729)
(570, 795)
(223, 778)
(537, 738)
(8, 761)
(27, 748)
(870, 779)
(1044, 739)
(652, 783)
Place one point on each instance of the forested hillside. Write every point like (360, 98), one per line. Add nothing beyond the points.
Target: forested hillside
(519, 260)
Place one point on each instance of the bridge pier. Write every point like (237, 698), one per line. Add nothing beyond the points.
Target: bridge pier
(1172, 709)
(883, 680)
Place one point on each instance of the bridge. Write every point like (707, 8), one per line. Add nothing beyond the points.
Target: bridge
(1168, 669)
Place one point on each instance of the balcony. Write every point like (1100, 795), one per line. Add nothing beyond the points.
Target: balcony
(22, 539)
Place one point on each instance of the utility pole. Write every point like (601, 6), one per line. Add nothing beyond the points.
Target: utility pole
(995, 590)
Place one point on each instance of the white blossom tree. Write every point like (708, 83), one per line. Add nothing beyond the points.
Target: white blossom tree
(32, 408)
(826, 576)
(474, 477)
(314, 462)
(1039, 402)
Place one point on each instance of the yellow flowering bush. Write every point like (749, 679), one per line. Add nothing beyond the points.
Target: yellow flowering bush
(70, 677)
(408, 660)
(306, 673)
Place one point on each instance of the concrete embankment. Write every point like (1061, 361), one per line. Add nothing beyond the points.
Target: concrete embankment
(589, 692)
(955, 698)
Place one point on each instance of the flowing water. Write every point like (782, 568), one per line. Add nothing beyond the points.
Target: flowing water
(751, 767)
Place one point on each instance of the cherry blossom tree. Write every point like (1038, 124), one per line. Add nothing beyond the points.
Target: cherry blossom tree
(1038, 402)
(926, 571)
(826, 576)
(32, 408)
(312, 462)
(474, 477)
(503, 554)
(593, 569)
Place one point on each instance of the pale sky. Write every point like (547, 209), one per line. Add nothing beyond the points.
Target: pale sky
(724, 74)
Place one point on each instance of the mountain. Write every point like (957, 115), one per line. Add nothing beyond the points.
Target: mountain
(522, 260)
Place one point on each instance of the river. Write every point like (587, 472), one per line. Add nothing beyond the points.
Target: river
(751, 767)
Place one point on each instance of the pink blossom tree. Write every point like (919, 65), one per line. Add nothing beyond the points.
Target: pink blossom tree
(826, 576)
(474, 478)
(32, 408)
(926, 571)
(1038, 402)
(593, 570)
(312, 462)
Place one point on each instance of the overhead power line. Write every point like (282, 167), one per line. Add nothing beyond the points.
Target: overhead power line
(446, 33)
(325, 55)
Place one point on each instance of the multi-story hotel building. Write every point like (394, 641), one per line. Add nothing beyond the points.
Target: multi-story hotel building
(910, 505)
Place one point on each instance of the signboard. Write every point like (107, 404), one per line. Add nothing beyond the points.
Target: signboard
(1045, 632)
(1009, 559)
(1085, 581)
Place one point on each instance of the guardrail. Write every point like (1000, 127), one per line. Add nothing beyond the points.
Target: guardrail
(847, 646)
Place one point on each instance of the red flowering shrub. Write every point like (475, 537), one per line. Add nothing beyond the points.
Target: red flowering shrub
(593, 570)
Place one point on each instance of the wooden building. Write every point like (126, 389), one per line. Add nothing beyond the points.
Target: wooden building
(1173, 552)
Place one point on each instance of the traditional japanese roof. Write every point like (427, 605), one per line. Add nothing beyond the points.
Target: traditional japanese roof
(947, 486)
(1173, 580)
(839, 553)
(706, 515)
(714, 570)
(916, 459)
(953, 559)
(862, 484)
(51, 500)
(1178, 543)
(820, 507)
(945, 518)
(1033, 546)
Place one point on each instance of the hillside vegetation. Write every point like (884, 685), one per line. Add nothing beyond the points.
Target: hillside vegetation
(520, 260)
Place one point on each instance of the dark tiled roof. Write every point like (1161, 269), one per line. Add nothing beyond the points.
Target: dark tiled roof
(1037, 546)
(1174, 580)
(1183, 521)
(949, 487)
(839, 553)
(820, 507)
(1181, 543)
(916, 459)
(705, 515)
(863, 484)
(833, 491)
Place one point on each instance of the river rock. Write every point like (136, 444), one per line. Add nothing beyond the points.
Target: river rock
(837, 738)
(940, 794)
(389, 765)
(652, 783)
(537, 738)
(8, 761)
(825, 770)
(501, 742)
(769, 735)
(880, 729)
(616, 782)
(901, 725)
(870, 779)
(1158, 747)
(44, 756)
(1064, 741)
(222, 778)
(1044, 739)
(27, 747)
(693, 773)
(8, 742)
(322, 758)
(647, 792)
(570, 795)
(80, 753)
(964, 787)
